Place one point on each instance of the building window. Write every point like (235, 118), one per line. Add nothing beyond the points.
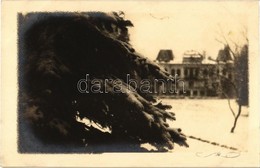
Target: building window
(191, 72)
(191, 84)
(178, 72)
(224, 71)
(205, 72)
(173, 72)
(188, 93)
(211, 72)
(197, 72)
(195, 93)
(186, 72)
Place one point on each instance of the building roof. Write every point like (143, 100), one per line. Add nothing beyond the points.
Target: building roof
(165, 55)
(224, 55)
(192, 57)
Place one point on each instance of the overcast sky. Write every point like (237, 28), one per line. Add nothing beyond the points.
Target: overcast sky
(182, 26)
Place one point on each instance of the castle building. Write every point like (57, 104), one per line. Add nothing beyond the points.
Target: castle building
(196, 79)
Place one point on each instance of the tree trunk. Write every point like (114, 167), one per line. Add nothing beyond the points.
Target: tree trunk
(236, 118)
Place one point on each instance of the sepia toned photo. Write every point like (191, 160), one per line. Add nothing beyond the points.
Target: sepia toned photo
(151, 82)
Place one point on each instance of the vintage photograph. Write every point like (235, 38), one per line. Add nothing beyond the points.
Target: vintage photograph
(166, 78)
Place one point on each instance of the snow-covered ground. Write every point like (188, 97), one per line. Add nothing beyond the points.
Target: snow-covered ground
(209, 119)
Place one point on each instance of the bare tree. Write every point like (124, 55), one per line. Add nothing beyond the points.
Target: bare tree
(235, 51)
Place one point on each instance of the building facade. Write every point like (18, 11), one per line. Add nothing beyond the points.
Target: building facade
(194, 79)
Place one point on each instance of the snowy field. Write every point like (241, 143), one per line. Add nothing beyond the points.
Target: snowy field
(209, 119)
